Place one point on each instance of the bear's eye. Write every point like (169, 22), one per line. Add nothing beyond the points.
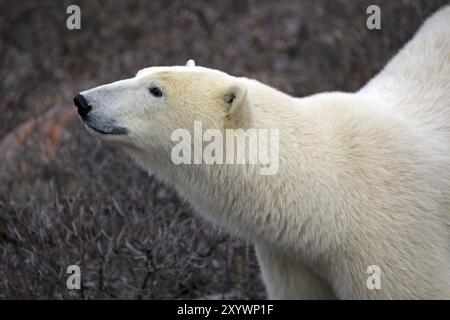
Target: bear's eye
(156, 92)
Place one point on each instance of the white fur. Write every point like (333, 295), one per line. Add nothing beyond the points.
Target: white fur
(364, 177)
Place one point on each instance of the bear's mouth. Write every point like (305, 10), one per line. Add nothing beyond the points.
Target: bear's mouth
(109, 130)
(103, 126)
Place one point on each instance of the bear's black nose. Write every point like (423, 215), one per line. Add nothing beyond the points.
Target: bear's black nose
(82, 105)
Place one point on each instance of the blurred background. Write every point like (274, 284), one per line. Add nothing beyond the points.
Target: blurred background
(66, 198)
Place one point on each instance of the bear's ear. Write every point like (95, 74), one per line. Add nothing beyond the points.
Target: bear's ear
(190, 63)
(236, 103)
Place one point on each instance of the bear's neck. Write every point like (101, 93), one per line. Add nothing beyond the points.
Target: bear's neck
(273, 209)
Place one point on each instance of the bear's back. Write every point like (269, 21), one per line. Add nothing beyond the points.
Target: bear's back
(416, 82)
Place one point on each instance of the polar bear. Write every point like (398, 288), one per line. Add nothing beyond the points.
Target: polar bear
(363, 183)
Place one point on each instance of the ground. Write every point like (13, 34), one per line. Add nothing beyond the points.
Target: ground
(66, 198)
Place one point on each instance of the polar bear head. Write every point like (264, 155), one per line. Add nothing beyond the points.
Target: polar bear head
(141, 112)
